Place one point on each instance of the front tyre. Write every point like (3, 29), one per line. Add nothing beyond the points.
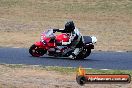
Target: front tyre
(36, 51)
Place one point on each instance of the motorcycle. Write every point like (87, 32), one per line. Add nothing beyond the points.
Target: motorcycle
(50, 44)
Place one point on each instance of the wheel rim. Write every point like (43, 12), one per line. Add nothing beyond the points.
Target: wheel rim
(35, 52)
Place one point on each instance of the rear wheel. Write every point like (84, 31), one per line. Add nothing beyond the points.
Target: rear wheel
(83, 54)
(87, 52)
(36, 51)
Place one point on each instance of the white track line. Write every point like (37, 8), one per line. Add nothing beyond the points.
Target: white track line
(15, 47)
(104, 69)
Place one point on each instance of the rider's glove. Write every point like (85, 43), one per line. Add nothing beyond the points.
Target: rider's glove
(54, 30)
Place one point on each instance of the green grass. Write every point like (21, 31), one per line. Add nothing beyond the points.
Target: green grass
(14, 66)
(68, 70)
(109, 71)
(89, 71)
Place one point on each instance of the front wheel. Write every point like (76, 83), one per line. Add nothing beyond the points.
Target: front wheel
(36, 51)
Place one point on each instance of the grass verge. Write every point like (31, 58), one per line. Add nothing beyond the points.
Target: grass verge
(67, 70)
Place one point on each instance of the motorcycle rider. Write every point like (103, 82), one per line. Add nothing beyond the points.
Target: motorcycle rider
(75, 37)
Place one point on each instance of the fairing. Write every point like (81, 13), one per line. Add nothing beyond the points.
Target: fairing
(62, 37)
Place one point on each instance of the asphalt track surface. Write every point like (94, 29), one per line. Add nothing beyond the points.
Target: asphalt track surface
(97, 59)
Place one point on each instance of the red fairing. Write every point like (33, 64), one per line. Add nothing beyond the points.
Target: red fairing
(49, 44)
(44, 37)
(62, 37)
(40, 44)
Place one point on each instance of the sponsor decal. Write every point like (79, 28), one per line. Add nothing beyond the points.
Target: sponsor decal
(83, 78)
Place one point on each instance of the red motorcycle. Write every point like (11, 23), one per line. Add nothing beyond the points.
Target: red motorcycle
(50, 44)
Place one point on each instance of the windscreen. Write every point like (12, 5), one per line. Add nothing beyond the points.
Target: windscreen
(49, 33)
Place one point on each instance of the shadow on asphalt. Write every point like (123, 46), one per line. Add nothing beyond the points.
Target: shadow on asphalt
(63, 58)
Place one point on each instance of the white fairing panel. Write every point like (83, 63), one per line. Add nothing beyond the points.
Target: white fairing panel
(94, 39)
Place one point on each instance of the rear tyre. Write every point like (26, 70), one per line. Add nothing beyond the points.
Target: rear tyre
(83, 54)
(36, 51)
(87, 53)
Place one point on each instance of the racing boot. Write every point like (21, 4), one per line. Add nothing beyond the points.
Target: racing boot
(75, 53)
